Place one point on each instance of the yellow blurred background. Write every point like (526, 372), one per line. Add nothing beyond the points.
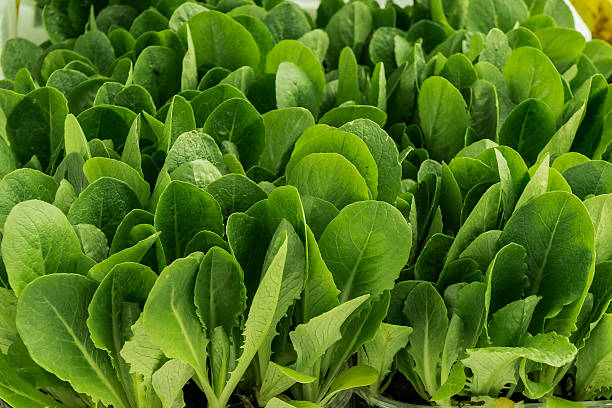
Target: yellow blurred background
(597, 15)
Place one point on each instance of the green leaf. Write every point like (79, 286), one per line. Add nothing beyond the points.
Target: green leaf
(65, 80)
(104, 203)
(443, 116)
(593, 376)
(95, 46)
(484, 111)
(538, 184)
(93, 241)
(59, 302)
(327, 140)
(295, 89)
(169, 380)
(380, 352)
(132, 219)
(106, 122)
(180, 119)
(39, 240)
(350, 240)
(484, 217)
(496, 48)
(482, 15)
(356, 15)
(286, 21)
(143, 356)
(183, 13)
(36, 126)
(599, 208)
(561, 141)
(318, 42)
(17, 53)
(378, 90)
(357, 376)
(311, 341)
(183, 211)
(459, 71)
(19, 392)
(98, 167)
(560, 248)
(22, 185)
(158, 70)
(283, 127)
(204, 241)
(74, 138)
(235, 193)
(511, 322)
(426, 314)
(131, 254)
(110, 319)
(57, 25)
(136, 98)
(385, 154)
(348, 113)
(297, 53)
(278, 379)
(528, 128)
(562, 45)
(220, 295)
(131, 151)
(197, 172)
(221, 41)
(242, 78)
(24, 82)
(494, 368)
(348, 80)
(262, 318)
(170, 317)
(506, 277)
(530, 74)
(237, 121)
(292, 281)
(453, 385)
(589, 178)
(7, 159)
(8, 330)
(148, 20)
(194, 145)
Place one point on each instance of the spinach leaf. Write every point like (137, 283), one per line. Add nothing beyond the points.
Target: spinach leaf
(39, 240)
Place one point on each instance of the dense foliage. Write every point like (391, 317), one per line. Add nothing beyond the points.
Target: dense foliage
(232, 203)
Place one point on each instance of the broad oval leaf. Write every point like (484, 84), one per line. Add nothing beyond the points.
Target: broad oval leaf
(104, 203)
(329, 176)
(530, 74)
(39, 240)
(556, 230)
(222, 41)
(36, 126)
(237, 121)
(444, 118)
(158, 70)
(59, 303)
(98, 167)
(22, 185)
(183, 211)
(365, 247)
(220, 295)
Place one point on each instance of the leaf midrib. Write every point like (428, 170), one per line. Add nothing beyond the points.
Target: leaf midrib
(85, 354)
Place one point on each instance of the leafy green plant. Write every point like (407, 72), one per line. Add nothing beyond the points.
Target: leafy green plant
(231, 203)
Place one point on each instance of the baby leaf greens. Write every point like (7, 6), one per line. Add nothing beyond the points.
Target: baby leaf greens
(238, 203)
